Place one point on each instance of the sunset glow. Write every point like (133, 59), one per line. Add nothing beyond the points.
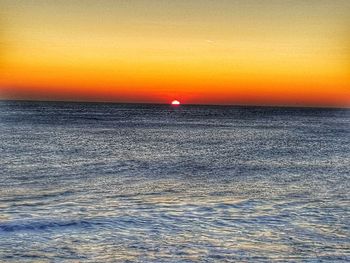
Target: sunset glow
(175, 102)
(206, 52)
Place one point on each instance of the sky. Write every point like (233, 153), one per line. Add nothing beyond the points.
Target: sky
(239, 52)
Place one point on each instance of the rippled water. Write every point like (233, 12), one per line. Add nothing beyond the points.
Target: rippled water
(146, 183)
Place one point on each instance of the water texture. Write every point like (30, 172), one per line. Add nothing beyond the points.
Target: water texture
(94, 182)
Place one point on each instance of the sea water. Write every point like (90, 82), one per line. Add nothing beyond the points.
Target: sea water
(99, 182)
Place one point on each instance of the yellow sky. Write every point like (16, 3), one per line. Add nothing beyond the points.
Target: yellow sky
(230, 52)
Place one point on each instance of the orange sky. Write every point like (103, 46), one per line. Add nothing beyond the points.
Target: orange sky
(207, 52)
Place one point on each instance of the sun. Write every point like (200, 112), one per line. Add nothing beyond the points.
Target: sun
(175, 102)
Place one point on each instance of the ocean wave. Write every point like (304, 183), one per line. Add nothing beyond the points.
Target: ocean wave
(42, 225)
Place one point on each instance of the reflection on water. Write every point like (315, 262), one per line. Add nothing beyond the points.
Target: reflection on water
(105, 183)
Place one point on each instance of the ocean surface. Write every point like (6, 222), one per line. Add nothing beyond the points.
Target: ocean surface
(98, 182)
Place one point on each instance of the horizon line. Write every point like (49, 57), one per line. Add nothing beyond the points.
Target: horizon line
(182, 104)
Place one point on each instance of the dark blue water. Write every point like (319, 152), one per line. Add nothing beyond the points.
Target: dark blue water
(84, 182)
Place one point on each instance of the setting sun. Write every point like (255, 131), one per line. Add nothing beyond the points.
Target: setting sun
(190, 130)
(112, 51)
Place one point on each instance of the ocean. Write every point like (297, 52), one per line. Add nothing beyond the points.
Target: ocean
(103, 182)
